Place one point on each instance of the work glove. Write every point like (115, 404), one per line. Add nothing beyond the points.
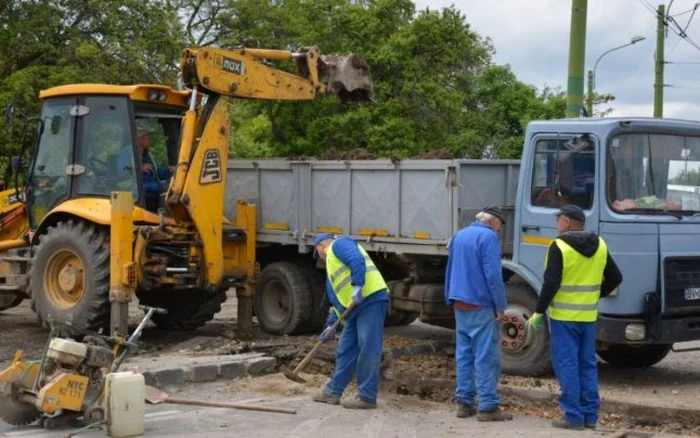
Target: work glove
(327, 335)
(357, 295)
(535, 321)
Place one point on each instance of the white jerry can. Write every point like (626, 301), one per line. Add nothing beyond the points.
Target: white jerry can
(125, 404)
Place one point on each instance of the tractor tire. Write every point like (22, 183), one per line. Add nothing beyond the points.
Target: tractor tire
(283, 299)
(69, 276)
(629, 356)
(187, 310)
(532, 358)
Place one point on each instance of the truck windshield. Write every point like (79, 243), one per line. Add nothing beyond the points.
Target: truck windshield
(651, 173)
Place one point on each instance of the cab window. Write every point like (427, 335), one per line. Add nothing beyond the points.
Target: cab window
(563, 173)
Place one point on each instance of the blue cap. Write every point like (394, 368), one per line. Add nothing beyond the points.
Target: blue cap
(572, 212)
(320, 238)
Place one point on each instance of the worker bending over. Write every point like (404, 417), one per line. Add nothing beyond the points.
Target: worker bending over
(578, 271)
(352, 277)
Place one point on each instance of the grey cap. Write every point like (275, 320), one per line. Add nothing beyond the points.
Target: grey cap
(572, 212)
(495, 210)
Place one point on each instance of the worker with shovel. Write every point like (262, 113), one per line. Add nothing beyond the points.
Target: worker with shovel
(578, 271)
(353, 281)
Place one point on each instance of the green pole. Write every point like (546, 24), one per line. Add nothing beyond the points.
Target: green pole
(577, 55)
(659, 77)
(589, 103)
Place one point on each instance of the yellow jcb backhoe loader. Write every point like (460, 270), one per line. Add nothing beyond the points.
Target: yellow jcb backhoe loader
(94, 243)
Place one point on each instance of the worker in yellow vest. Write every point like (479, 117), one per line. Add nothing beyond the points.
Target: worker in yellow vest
(352, 277)
(578, 272)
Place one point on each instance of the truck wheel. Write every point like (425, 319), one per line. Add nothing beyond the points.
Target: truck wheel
(10, 301)
(319, 301)
(630, 356)
(523, 352)
(282, 299)
(186, 310)
(69, 275)
(399, 317)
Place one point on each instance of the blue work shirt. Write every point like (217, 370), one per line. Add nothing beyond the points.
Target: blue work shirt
(151, 179)
(474, 275)
(347, 251)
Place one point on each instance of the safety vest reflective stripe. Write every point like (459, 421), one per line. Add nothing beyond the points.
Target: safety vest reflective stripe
(340, 277)
(594, 288)
(577, 297)
(574, 306)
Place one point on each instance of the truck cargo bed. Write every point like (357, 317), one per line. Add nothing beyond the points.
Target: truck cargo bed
(407, 207)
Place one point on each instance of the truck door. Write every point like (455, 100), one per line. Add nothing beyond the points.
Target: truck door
(562, 170)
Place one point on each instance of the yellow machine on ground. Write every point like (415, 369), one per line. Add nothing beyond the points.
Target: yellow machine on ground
(89, 238)
(92, 247)
(13, 232)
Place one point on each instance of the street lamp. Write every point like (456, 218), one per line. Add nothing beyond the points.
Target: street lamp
(591, 74)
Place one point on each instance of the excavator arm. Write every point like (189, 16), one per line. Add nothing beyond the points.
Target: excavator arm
(196, 192)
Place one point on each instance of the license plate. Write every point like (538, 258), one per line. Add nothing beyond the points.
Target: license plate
(692, 293)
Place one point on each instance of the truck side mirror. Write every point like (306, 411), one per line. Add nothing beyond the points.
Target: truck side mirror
(16, 162)
(10, 114)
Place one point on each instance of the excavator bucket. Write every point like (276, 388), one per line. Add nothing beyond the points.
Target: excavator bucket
(347, 76)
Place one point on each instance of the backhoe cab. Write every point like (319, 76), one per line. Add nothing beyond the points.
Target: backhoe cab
(125, 190)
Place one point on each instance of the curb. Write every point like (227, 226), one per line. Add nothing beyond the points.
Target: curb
(203, 368)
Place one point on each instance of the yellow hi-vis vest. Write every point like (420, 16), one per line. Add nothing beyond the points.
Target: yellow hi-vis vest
(581, 277)
(340, 277)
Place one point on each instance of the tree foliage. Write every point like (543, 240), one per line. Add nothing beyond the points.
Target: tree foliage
(435, 83)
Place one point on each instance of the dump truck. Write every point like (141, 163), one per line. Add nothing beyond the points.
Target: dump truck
(638, 180)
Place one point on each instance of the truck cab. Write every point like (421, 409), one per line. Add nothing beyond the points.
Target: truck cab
(638, 180)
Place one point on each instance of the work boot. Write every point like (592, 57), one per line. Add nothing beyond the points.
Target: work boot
(358, 403)
(323, 397)
(562, 423)
(464, 410)
(590, 425)
(497, 415)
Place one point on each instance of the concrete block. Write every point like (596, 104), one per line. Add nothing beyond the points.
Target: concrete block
(260, 365)
(202, 373)
(169, 376)
(232, 369)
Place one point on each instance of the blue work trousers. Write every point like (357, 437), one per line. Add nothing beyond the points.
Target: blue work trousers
(360, 348)
(478, 358)
(573, 357)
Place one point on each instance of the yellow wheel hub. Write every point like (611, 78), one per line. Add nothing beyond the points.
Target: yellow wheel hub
(64, 279)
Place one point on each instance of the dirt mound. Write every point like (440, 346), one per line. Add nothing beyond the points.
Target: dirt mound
(438, 154)
(354, 154)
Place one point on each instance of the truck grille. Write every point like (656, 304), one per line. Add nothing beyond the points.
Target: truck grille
(682, 285)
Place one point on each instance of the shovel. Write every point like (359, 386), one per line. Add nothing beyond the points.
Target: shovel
(155, 396)
(294, 375)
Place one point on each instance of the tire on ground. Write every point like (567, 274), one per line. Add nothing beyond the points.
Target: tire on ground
(318, 301)
(534, 358)
(630, 356)
(283, 299)
(399, 317)
(69, 275)
(187, 310)
(8, 302)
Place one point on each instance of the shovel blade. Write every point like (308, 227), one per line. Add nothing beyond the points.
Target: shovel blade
(155, 396)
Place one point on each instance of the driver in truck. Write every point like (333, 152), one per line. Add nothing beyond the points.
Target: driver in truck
(578, 271)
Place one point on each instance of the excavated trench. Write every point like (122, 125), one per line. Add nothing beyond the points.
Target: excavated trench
(409, 372)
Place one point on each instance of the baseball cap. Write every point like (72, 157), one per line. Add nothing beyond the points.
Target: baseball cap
(572, 212)
(495, 210)
(320, 238)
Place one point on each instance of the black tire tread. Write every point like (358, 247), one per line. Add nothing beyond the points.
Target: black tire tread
(186, 310)
(628, 356)
(94, 242)
(298, 286)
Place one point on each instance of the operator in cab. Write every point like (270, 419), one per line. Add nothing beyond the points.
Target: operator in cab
(150, 173)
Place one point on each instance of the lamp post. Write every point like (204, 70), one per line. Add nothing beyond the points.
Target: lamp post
(591, 73)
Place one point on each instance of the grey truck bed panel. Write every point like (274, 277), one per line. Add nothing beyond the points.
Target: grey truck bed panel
(410, 206)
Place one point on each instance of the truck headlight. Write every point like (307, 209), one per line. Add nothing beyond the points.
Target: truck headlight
(635, 332)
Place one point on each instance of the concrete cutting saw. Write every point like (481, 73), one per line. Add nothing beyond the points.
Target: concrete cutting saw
(68, 382)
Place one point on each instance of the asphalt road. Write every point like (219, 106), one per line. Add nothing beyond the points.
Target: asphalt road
(397, 417)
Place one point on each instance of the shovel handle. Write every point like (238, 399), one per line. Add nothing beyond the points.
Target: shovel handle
(311, 354)
(244, 406)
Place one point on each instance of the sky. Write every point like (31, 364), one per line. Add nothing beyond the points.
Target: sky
(532, 36)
